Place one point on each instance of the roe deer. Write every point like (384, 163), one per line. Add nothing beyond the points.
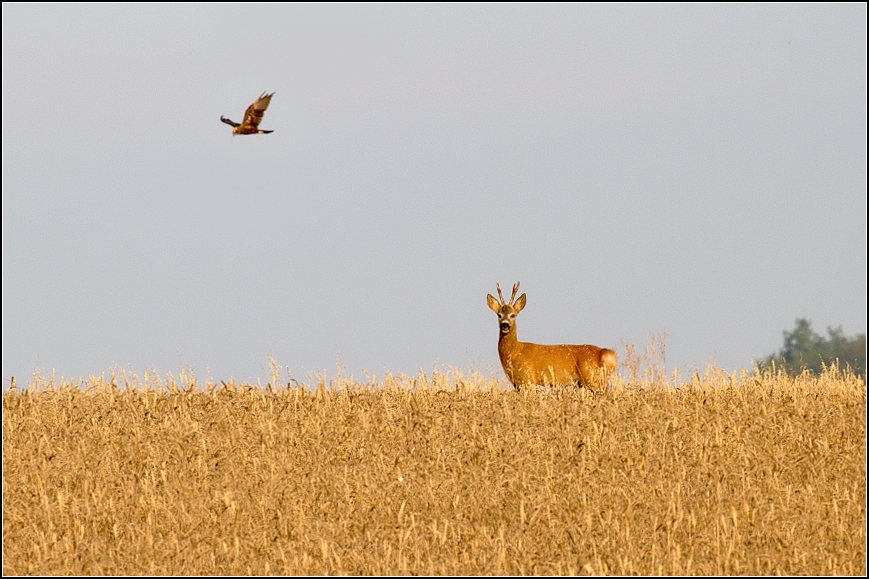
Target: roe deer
(533, 364)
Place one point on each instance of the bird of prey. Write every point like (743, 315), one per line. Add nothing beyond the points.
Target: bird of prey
(252, 117)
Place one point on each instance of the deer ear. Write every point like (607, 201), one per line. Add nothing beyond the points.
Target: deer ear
(494, 305)
(520, 303)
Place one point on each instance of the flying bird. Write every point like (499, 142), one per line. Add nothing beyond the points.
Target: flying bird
(252, 117)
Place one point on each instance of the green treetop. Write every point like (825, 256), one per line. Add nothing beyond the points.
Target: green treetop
(803, 348)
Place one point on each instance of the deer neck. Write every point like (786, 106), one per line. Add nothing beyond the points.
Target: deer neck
(507, 342)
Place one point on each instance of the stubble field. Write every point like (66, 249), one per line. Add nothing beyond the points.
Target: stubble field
(445, 474)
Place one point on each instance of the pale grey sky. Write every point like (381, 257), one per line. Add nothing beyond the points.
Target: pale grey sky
(698, 170)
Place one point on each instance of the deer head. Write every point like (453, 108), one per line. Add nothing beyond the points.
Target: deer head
(507, 312)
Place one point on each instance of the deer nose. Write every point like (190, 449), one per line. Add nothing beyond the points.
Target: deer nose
(505, 326)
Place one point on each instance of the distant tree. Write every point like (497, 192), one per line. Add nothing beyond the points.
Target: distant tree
(803, 348)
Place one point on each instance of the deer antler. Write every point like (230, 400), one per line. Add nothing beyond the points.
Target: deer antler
(500, 295)
(515, 289)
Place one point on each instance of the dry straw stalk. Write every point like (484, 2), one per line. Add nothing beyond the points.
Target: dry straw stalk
(450, 474)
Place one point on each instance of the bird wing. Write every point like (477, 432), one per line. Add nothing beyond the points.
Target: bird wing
(228, 122)
(254, 113)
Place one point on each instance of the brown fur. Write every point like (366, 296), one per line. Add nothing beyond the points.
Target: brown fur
(525, 363)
